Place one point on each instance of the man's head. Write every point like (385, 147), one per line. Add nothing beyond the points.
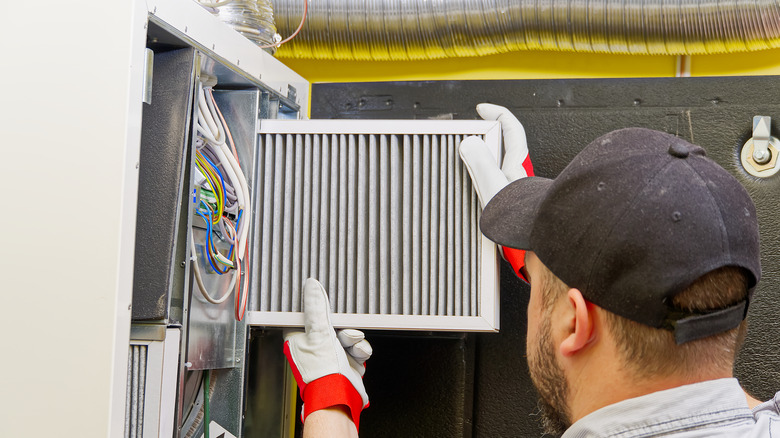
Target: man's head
(642, 224)
(563, 326)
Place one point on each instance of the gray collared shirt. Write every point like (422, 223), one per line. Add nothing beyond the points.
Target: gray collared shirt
(711, 409)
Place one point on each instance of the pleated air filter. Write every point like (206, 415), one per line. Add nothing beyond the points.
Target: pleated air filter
(383, 214)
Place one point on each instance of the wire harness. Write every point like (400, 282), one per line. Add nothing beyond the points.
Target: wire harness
(224, 202)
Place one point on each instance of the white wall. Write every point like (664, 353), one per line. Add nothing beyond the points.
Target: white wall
(70, 183)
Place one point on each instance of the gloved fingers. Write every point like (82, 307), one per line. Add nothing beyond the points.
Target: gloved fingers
(515, 143)
(355, 344)
(316, 307)
(360, 351)
(357, 365)
(486, 177)
(349, 337)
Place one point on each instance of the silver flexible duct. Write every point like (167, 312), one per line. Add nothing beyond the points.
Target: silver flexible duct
(428, 29)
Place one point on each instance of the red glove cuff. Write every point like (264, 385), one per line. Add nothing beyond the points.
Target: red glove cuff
(528, 166)
(516, 258)
(329, 391)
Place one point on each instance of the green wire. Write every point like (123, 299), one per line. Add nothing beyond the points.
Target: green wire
(206, 413)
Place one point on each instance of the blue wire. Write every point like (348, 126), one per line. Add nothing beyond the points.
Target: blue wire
(208, 241)
(211, 241)
(238, 220)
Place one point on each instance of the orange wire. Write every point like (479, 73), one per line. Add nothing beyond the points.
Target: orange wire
(241, 299)
(303, 20)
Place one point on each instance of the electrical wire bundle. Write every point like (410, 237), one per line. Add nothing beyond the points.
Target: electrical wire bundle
(224, 200)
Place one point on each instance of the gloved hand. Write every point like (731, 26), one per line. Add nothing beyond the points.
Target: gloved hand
(486, 177)
(327, 366)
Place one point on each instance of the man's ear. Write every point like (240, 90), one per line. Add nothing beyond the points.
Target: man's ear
(580, 330)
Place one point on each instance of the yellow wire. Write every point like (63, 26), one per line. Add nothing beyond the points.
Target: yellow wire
(213, 214)
(213, 179)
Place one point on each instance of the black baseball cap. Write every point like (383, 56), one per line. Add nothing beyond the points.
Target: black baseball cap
(635, 218)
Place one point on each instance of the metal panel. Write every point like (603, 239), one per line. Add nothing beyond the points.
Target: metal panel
(212, 336)
(387, 210)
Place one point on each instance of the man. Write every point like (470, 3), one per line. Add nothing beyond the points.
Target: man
(642, 258)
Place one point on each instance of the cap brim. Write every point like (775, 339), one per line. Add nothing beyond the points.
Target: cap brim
(508, 218)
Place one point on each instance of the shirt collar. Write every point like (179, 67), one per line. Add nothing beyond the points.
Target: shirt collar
(665, 411)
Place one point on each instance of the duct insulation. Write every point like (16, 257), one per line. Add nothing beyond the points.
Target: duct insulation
(383, 30)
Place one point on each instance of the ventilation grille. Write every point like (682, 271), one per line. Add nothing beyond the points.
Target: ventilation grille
(382, 213)
(136, 384)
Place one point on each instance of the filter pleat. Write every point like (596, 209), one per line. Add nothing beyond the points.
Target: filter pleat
(457, 231)
(396, 226)
(361, 219)
(349, 288)
(443, 230)
(323, 266)
(384, 225)
(277, 231)
(373, 225)
(416, 201)
(406, 232)
(336, 183)
(297, 185)
(310, 211)
(425, 226)
(266, 235)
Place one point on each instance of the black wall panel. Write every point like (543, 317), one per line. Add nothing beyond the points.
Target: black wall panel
(560, 118)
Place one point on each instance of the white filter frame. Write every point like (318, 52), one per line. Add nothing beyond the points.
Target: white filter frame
(487, 318)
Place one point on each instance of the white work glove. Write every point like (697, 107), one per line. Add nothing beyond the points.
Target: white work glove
(485, 174)
(327, 366)
(487, 178)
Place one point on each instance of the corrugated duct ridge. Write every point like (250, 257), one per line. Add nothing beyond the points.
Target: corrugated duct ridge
(429, 29)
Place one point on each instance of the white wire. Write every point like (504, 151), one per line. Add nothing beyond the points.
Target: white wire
(228, 231)
(199, 280)
(214, 4)
(242, 192)
(215, 133)
(220, 148)
(214, 117)
(225, 155)
(205, 114)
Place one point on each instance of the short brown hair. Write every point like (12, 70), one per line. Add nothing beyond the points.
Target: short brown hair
(652, 352)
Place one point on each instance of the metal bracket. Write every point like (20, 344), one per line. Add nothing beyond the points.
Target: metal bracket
(759, 154)
(148, 75)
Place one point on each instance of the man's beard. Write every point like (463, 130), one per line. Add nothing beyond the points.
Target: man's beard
(550, 382)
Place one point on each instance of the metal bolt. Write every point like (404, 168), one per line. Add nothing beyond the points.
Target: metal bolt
(183, 264)
(761, 157)
(187, 364)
